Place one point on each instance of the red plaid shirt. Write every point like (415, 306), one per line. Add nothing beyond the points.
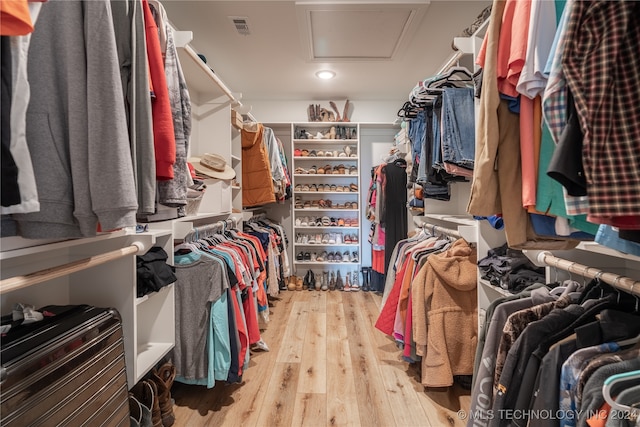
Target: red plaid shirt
(601, 63)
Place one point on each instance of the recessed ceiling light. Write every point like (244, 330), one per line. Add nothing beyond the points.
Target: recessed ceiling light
(325, 74)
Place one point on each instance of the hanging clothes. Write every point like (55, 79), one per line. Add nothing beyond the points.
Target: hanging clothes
(539, 350)
(393, 218)
(257, 184)
(83, 170)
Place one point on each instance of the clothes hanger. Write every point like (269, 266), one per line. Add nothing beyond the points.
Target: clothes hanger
(614, 380)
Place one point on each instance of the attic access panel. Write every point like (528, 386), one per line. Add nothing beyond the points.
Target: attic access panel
(357, 32)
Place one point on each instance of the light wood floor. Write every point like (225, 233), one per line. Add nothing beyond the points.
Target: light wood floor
(327, 366)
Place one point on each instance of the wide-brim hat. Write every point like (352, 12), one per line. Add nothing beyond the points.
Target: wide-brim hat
(212, 165)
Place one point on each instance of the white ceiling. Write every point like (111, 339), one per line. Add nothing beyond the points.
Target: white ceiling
(379, 49)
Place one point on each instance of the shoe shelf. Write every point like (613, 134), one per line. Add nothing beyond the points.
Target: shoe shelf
(344, 153)
(322, 227)
(342, 159)
(326, 209)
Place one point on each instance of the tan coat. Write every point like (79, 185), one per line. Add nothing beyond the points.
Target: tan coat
(257, 185)
(445, 314)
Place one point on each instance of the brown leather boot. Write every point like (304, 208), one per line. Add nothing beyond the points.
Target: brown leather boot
(163, 378)
(147, 393)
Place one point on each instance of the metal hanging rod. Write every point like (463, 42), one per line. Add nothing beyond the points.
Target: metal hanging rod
(436, 229)
(624, 283)
(19, 282)
(215, 227)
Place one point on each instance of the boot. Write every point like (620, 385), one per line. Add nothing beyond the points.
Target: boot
(365, 279)
(355, 286)
(146, 392)
(325, 281)
(312, 280)
(292, 283)
(318, 282)
(347, 285)
(163, 378)
(339, 283)
(332, 281)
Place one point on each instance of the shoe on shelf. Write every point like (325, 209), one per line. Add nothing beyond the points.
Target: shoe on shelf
(307, 256)
(300, 256)
(304, 222)
(322, 257)
(338, 238)
(314, 256)
(354, 256)
(332, 238)
(345, 256)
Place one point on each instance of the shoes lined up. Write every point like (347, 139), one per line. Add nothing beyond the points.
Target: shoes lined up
(150, 399)
(326, 239)
(351, 188)
(325, 256)
(325, 281)
(323, 204)
(347, 151)
(327, 170)
(325, 221)
(335, 132)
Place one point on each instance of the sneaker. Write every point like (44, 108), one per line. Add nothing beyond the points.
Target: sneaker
(325, 238)
(347, 239)
(304, 222)
(338, 238)
(312, 239)
(300, 256)
(322, 257)
(314, 256)
(298, 238)
(354, 256)
(332, 238)
(307, 256)
(298, 222)
(305, 239)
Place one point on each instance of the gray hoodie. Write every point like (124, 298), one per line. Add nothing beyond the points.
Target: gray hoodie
(76, 124)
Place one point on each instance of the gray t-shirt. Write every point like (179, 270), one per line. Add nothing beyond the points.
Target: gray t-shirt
(201, 281)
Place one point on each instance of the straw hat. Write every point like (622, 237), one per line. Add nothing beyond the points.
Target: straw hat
(213, 165)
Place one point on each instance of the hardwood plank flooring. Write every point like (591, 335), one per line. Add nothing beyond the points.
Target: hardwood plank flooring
(327, 366)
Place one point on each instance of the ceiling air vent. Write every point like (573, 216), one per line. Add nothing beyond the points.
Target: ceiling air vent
(241, 24)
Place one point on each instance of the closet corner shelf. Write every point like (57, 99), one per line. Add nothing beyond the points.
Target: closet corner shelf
(201, 78)
(235, 187)
(604, 250)
(235, 159)
(149, 354)
(454, 219)
(150, 296)
(487, 285)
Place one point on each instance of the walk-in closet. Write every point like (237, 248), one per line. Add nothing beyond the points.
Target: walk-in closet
(320, 213)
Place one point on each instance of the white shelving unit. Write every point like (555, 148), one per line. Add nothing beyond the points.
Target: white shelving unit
(147, 322)
(303, 162)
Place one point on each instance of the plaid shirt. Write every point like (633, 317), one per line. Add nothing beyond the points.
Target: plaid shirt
(601, 63)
